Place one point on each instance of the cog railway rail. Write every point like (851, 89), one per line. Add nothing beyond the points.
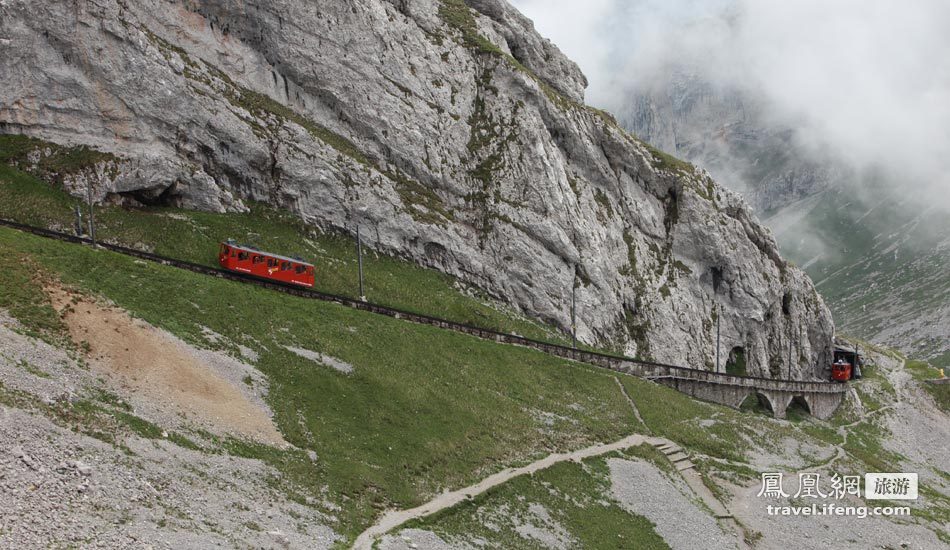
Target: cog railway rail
(822, 398)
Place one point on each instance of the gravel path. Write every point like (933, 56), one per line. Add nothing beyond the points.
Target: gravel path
(393, 519)
(642, 489)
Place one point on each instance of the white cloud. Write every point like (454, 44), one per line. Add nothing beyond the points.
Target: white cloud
(868, 79)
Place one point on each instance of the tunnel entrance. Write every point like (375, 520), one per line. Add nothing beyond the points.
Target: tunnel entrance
(736, 364)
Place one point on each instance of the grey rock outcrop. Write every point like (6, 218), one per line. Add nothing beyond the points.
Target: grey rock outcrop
(453, 133)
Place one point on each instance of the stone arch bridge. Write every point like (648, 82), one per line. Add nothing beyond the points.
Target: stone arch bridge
(822, 399)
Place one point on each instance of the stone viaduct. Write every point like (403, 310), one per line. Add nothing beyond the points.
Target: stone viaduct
(820, 398)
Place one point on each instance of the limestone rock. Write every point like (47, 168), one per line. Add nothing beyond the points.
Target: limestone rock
(452, 132)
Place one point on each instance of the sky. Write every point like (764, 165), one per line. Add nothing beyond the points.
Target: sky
(867, 80)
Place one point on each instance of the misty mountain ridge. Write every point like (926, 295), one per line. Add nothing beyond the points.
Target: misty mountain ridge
(877, 249)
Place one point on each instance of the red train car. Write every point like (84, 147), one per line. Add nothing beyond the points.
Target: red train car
(841, 371)
(244, 259)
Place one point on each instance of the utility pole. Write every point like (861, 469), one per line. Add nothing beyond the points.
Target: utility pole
(718, 317)
(717, 309)
(78, 225)
(790, 354)
(800, 338)
(574, 309)
(359, 255)
(92, 219)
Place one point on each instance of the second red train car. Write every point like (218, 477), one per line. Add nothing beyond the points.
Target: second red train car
(245, 259)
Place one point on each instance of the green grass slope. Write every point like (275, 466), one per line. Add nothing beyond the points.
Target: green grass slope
(576, 497)
(424, 409)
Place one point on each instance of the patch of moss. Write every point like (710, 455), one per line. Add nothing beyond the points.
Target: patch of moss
(431, 208)
(666, 161)
(459, 16)
(604, 203)
(52, 162)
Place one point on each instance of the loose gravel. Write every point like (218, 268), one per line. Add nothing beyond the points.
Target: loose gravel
(641, 488)
(62, 489)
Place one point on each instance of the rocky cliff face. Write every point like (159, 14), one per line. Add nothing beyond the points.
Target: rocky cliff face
(453, 133)
(729, 133)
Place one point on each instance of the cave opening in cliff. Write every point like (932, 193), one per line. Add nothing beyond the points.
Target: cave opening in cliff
(787, 303)
(736, 364)
(153, 197)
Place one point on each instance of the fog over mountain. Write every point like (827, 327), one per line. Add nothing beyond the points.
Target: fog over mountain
(862, 81)
(832, 119)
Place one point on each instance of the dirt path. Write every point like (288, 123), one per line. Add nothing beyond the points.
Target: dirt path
(844, 430)
(154, 365)
(391, 520)
(636, 411)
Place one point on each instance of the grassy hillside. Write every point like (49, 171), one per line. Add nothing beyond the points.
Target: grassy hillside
(424, 409)
(575, 498)
(37, 199)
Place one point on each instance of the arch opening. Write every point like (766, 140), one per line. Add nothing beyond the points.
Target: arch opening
(757, 403)
(798, 408)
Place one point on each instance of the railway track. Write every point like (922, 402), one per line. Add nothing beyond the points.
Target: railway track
(645, 369)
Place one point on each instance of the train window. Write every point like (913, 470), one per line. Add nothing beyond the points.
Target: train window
(257, 259)
(233, 253)
(284, 266)
(243, 256)
(271, 262)
(300, 269)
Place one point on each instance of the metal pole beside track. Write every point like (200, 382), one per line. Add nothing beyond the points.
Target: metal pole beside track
(574, 309)
(78, 224)
(92, 219)
(718, 317)
(359, 254)
(790, 338)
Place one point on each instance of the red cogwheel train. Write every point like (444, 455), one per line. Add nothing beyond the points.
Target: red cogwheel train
(251, 261)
